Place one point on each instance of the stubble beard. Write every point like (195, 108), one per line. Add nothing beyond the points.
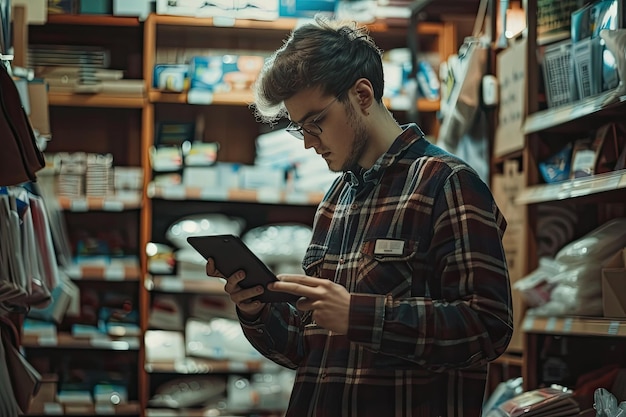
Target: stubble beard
(360, 138)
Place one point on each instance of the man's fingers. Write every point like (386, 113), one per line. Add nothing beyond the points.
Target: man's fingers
(303, 290)
(302, 280)
(211, 270)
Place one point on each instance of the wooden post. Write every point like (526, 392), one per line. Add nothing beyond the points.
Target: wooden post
(20, 36)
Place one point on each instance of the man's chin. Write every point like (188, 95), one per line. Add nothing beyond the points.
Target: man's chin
(333, 167)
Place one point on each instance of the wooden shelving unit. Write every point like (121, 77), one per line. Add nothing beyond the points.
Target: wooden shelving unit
(596, 199)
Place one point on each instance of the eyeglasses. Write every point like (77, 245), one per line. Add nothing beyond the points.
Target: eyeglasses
(312, 127)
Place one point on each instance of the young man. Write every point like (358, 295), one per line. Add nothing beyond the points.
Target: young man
(406, 296)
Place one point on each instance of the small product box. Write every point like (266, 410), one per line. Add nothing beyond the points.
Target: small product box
(95, 7)
(614, 286)
(139, 8)
(224, 73)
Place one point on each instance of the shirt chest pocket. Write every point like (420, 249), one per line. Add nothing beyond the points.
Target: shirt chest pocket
(388, 266)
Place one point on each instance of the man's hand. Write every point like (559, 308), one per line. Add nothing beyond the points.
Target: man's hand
(240, 296)
(329, 302)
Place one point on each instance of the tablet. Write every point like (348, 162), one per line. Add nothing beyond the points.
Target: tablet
(231, 254)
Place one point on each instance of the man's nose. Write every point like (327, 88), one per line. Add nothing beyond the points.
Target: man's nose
(310, 140)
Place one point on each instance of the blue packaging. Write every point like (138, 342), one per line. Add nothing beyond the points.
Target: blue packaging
(305, 8)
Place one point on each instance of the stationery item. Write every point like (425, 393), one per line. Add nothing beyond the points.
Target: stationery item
(542, 402)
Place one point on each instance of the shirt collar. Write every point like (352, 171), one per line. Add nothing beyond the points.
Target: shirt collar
(410, 134)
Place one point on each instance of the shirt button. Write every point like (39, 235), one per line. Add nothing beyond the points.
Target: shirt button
(324, 375)
(354, 207)
(259, 330)
(342, 261)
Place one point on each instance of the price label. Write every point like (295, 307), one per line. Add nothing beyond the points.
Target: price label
(47, 341)
(79, 205)
(112, 205)
(297, 198)
(529, 322)
(551, 324)
(174, 192)
(214, 194)
(236, 366)
(104, 409)
(171, 285)
(53, 409)
(567, 325)
(199, 96)
(613, 328)
(223, 21)
(114, 272)
(268, 195)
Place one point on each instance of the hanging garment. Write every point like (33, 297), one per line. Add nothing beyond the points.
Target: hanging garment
(20, 158)
(25, 379)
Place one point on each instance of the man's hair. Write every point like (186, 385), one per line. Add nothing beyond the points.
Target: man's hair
(325, 54)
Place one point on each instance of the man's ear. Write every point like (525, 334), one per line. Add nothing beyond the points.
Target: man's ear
(364, 94)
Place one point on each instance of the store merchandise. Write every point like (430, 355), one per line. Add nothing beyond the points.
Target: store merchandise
(218, 338)
(189, 263)
(607, 405)
(542, 402)
(571, 283)
(189, 391)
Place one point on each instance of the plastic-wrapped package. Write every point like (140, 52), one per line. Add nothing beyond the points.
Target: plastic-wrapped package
(536, 287)
(202, 225)
(573, 279)
(189, 263)
(606, 405)
(576, 289)
(597, 245)
(281, 246)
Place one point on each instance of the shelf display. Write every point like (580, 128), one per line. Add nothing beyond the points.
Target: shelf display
(572, 167)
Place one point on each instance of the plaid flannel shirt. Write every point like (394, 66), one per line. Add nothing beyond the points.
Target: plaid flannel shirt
(417, 241)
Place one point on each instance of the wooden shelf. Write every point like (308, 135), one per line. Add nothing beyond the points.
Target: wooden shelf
(180, 192)
(112, 203)
(126, 269)
(579, 187)
(209, 411)
(190, 365)
(104, 409)
(575, 326)
(92, 20)
(95, 100)
(233, 98)
(176, 284)
(281, 24)
(67, 341)
(245, 98)
(557, 117)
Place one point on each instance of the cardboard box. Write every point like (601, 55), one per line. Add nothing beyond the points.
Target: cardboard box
(511, 64)
(38, 99)
(505, 187)
(614, 286)
(36, 10)
(139, 8)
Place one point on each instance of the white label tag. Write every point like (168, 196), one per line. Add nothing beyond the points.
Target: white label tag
(389, 247)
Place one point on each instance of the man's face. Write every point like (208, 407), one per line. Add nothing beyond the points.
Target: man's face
(334, 131)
